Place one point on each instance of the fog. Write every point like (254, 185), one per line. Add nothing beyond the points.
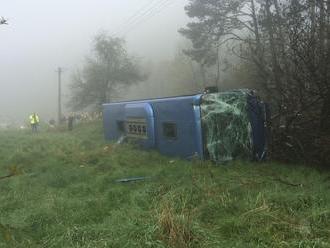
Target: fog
(43, 35)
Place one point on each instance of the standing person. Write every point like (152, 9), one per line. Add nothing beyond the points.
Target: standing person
(34, 121)
(70, 122)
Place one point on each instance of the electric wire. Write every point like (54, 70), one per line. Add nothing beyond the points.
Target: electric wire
(130, 19)
(149, 9)
(142, 15)
(148, 16)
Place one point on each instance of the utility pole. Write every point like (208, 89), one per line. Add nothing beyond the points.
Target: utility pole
(59, 113)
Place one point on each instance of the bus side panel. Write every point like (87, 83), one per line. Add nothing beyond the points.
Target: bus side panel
(177, 130)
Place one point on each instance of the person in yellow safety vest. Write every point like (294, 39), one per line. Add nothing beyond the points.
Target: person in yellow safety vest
(34, 121)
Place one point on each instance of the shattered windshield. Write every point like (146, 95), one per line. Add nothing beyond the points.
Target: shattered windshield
(226, 126)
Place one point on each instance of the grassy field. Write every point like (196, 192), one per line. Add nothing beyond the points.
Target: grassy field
(64, 194)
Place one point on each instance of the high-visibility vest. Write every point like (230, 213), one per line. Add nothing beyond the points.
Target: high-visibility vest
(34, 119)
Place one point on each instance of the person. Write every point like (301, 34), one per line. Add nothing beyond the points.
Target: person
(70, 122)
(34, 121)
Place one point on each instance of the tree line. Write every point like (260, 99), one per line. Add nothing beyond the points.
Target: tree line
(286, 45)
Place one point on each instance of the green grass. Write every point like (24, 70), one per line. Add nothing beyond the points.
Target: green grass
(64, 194)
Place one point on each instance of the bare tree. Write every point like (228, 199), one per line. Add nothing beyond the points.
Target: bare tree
(3, 21)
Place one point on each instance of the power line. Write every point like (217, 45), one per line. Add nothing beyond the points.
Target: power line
(161, 5)
(140, 13)
(148, 16)
(143, 15)
(136, 14)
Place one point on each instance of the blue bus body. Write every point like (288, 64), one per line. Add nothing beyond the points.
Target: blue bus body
(173, 125)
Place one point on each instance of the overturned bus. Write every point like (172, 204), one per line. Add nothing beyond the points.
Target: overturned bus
(218, 126)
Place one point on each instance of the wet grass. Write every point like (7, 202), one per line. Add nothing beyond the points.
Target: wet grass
(62, 192)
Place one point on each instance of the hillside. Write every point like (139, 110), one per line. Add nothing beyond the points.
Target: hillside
(64, 193)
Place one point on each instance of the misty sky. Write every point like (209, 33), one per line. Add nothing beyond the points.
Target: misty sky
(45, 34)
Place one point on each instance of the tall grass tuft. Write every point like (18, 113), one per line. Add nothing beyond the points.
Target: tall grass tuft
(176, 228)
